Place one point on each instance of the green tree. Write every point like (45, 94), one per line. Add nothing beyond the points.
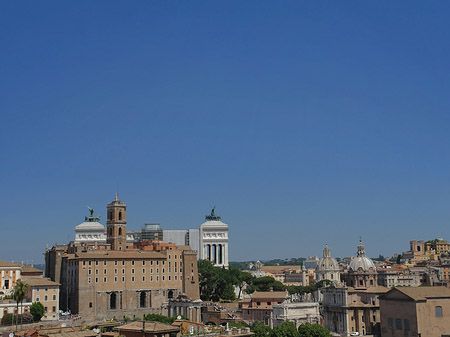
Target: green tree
(8, 319)
(287, 329)
(313, 330)
(265, 283)
(260, 329)
(20, 292)
(37, 310)
(158, 318)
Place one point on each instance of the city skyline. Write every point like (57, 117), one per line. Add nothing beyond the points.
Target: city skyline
(305, 123)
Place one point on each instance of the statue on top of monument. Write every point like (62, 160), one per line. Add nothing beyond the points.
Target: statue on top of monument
(91, 217)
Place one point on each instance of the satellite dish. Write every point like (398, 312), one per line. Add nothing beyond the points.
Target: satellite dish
(178, 317)
(63, 325)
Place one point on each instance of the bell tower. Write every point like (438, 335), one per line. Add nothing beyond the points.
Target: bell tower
(116, 222)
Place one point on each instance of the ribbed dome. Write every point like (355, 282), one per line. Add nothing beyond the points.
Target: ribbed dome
(361, 260)
(327, 263)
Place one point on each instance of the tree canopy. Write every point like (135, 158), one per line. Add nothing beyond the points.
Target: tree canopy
(37, 310)
(218, 283)
(313, 330)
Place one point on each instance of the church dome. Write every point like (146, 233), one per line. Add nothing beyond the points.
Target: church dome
(361, 261)
(327, 263)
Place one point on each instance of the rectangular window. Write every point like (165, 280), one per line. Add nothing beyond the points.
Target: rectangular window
(123, 262)
(390, 323)
(123, 271)
(169, 277)
(96, 280)
(151, 278)
(143, 271)
(104, 271)
(143, 262)
(151, 262)
(143, 278)
(132, 270)
(398, 324)
(89, 280)
(104, 263)
(406, 323)
(96, 262)
(89, 271)
(115, 263)
(45, 309)
(115, 279)
(89, 262)
(151, 270)
(54, 297)
(132, 263)
(115, 271)
(45, 298)
(123, 279)
(54, 309)
(96, 271)
(84, 263)
(104, 279)
(132, 278)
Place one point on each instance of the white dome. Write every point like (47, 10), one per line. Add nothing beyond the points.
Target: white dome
(361, 261)
(327, 263)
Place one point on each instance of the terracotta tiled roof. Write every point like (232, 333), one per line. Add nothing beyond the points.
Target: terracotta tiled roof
(279, 269)
(9, 264)
(37, 281)
(156, 327)
(269, 294)
(31, 270)
(422, 293)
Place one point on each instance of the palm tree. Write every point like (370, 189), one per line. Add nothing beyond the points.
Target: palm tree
(20, 292)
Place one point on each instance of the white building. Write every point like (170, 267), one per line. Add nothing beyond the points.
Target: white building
(210, 240)
(296, 312)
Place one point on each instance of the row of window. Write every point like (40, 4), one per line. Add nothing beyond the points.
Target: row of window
(399, 324)
(105, 279)
(46, 298)
(163, 270)
(133, 262)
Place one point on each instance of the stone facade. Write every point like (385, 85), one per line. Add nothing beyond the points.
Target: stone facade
(297, 312)
(121, 278)
(9, 275)
(47, 292)
(421, 311)
(348, 310)
(260, 306)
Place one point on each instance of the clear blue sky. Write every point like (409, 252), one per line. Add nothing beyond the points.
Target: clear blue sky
(305, 122)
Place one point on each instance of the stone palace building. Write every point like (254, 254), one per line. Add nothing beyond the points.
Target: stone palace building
(119, 277)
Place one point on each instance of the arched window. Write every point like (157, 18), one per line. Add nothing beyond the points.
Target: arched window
(120, 215)
(438, 311)
(170, 294)
(120, 231)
